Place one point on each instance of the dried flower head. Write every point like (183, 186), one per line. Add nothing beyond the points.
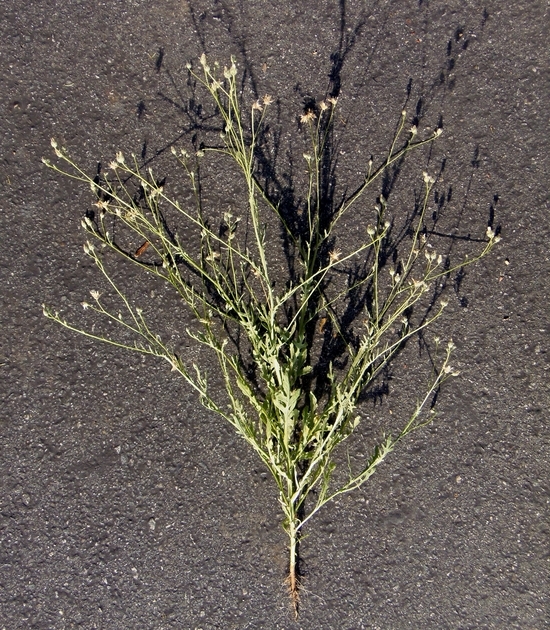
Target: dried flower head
(334, 255)
(101, 204)
(308, 117)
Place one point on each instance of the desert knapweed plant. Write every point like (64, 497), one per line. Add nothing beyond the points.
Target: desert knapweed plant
(293, 369)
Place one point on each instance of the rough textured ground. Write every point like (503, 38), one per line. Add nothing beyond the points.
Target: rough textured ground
(123, 504)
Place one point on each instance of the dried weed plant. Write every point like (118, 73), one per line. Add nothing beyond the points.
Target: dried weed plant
(276, 342)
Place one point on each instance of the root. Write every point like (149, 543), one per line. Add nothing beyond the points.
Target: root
(294, 585)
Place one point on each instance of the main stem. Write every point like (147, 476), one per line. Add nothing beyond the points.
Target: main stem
(293, 576)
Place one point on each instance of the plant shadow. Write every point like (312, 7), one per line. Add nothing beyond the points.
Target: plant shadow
(281, 187)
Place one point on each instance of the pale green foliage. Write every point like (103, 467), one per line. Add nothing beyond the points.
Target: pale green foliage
(231, 287)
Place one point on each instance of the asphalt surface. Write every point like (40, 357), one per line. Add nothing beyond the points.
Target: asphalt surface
(123, 503)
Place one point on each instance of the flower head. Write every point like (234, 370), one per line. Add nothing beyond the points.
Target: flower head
(88, 248)
(309, 116)
(334, 255)
(428, 179)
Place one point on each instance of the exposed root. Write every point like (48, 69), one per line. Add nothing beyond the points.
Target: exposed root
(294, 585)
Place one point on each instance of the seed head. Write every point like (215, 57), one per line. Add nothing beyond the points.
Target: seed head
(309, 116)
(334, 255)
